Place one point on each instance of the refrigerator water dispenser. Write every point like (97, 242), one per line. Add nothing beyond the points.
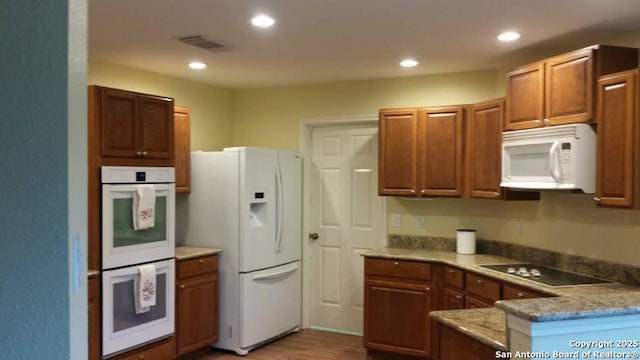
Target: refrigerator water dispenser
(258, 214)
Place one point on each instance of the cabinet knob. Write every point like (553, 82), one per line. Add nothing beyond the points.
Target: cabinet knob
(412, 191)
(144, 153)
(546, 121)
(538, 122)
(395, 263)
(596, 199)
(480, 282)
(141, 357)
(200, 261)
(181, 286)
(496, 194)
(138, 153)
(450, 271)
(458, 297)
(423, 191)
(427, 289)
(520, 295)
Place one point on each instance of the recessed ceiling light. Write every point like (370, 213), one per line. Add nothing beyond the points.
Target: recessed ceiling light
(197, 65)
(508, 36)
(408, 63)
(263, 21)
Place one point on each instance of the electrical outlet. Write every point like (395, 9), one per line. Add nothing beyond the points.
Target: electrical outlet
(396, 220)
(420, 221)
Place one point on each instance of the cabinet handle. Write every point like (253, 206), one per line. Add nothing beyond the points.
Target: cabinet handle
(480, 282)
(144, 153)
(538, 123)
(546, 121)
(458, 297)
(596, 199)
(496, 194)
(450, 271)
(141, 357)
(200, 261)
(395, 263)
(412, 191)
(138, 153)
(427, 289)
(181, 286)
(520, 295)
(423, 191)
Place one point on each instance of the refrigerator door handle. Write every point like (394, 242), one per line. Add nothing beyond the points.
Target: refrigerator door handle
(276, 274)
(282, 208)
(278, 205)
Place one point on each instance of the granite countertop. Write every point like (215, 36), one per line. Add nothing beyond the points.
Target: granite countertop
(572, 302)
(488, 325)
(92, 273)
(186, 252)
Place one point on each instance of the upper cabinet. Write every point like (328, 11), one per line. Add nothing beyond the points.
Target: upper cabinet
(182, 147)
(421, 151)
(484, 136)
(132, 128)
(398, 147)
(561, 90)
(618, 149)
(440, 147)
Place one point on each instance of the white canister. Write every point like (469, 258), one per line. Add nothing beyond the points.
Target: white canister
(466, 241)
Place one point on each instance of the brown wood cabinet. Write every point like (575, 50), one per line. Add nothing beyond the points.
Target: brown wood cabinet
(421, 151)
(398, 298)
(441, 150)
(134, 128)
(512, 292)
(484, 150)
(561, 90)
(94, 317)
(618, 148)
(182, 148)
(454, 345)
(398, 152)
(197, 303)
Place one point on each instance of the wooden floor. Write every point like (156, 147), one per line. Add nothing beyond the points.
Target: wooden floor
(304, 345)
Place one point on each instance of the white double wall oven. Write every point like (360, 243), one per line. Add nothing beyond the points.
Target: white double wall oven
(124, 249)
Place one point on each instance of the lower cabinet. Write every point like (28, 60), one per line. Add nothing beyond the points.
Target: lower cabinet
(398, 299)
(197, 303)
(454, 345)
(94, 317)
(164, 349)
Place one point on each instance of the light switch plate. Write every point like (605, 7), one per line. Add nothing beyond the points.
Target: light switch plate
(396, 220)
(420, 221)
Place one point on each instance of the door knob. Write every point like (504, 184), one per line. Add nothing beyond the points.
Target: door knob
(313, 236)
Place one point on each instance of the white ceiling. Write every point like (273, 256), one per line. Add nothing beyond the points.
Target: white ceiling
(338, 40)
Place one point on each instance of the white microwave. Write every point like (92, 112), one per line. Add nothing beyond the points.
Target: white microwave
(550, 158)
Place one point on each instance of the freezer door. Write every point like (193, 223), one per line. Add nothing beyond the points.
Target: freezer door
(289, 206)
(271, 303)
(258, 217)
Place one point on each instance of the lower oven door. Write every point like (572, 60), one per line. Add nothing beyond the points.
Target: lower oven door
(122, 328)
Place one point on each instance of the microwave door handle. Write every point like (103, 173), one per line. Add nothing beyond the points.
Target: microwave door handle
(554, 161)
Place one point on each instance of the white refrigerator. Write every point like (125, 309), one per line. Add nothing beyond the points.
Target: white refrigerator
(248, 202)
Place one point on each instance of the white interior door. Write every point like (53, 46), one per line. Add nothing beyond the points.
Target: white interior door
(347, 214)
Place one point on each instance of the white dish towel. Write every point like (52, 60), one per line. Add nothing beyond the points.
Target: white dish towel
(144, 205)
(144, 288)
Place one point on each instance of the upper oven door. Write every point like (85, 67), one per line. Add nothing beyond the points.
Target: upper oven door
(121, 244)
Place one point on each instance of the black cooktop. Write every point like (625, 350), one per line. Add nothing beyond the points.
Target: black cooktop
(548, 276)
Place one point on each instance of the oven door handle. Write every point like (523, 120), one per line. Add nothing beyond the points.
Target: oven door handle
(276, 274)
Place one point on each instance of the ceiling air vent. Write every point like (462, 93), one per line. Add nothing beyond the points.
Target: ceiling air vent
(199, 41)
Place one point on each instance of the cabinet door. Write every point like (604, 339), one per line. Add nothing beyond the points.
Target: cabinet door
(484, 133)
(118, 123)
(197, 312)
(455, 345)
(440, 149)
(617, 148)
(569, 86)
(397, 317)
(94, 318)
(398, 147)
(477, 303)
(182, 148)
(453, 300)
(155, 127)
(525, 97)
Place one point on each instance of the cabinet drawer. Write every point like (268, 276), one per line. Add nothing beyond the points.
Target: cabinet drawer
(161, 350)
(513, 293)
(398, 268)
(483, 287)
(453, 300)
(473, 303)
(197, 266)
(453, 277)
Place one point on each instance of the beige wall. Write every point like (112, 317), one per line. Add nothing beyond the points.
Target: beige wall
(269, 117)
(210, 105)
